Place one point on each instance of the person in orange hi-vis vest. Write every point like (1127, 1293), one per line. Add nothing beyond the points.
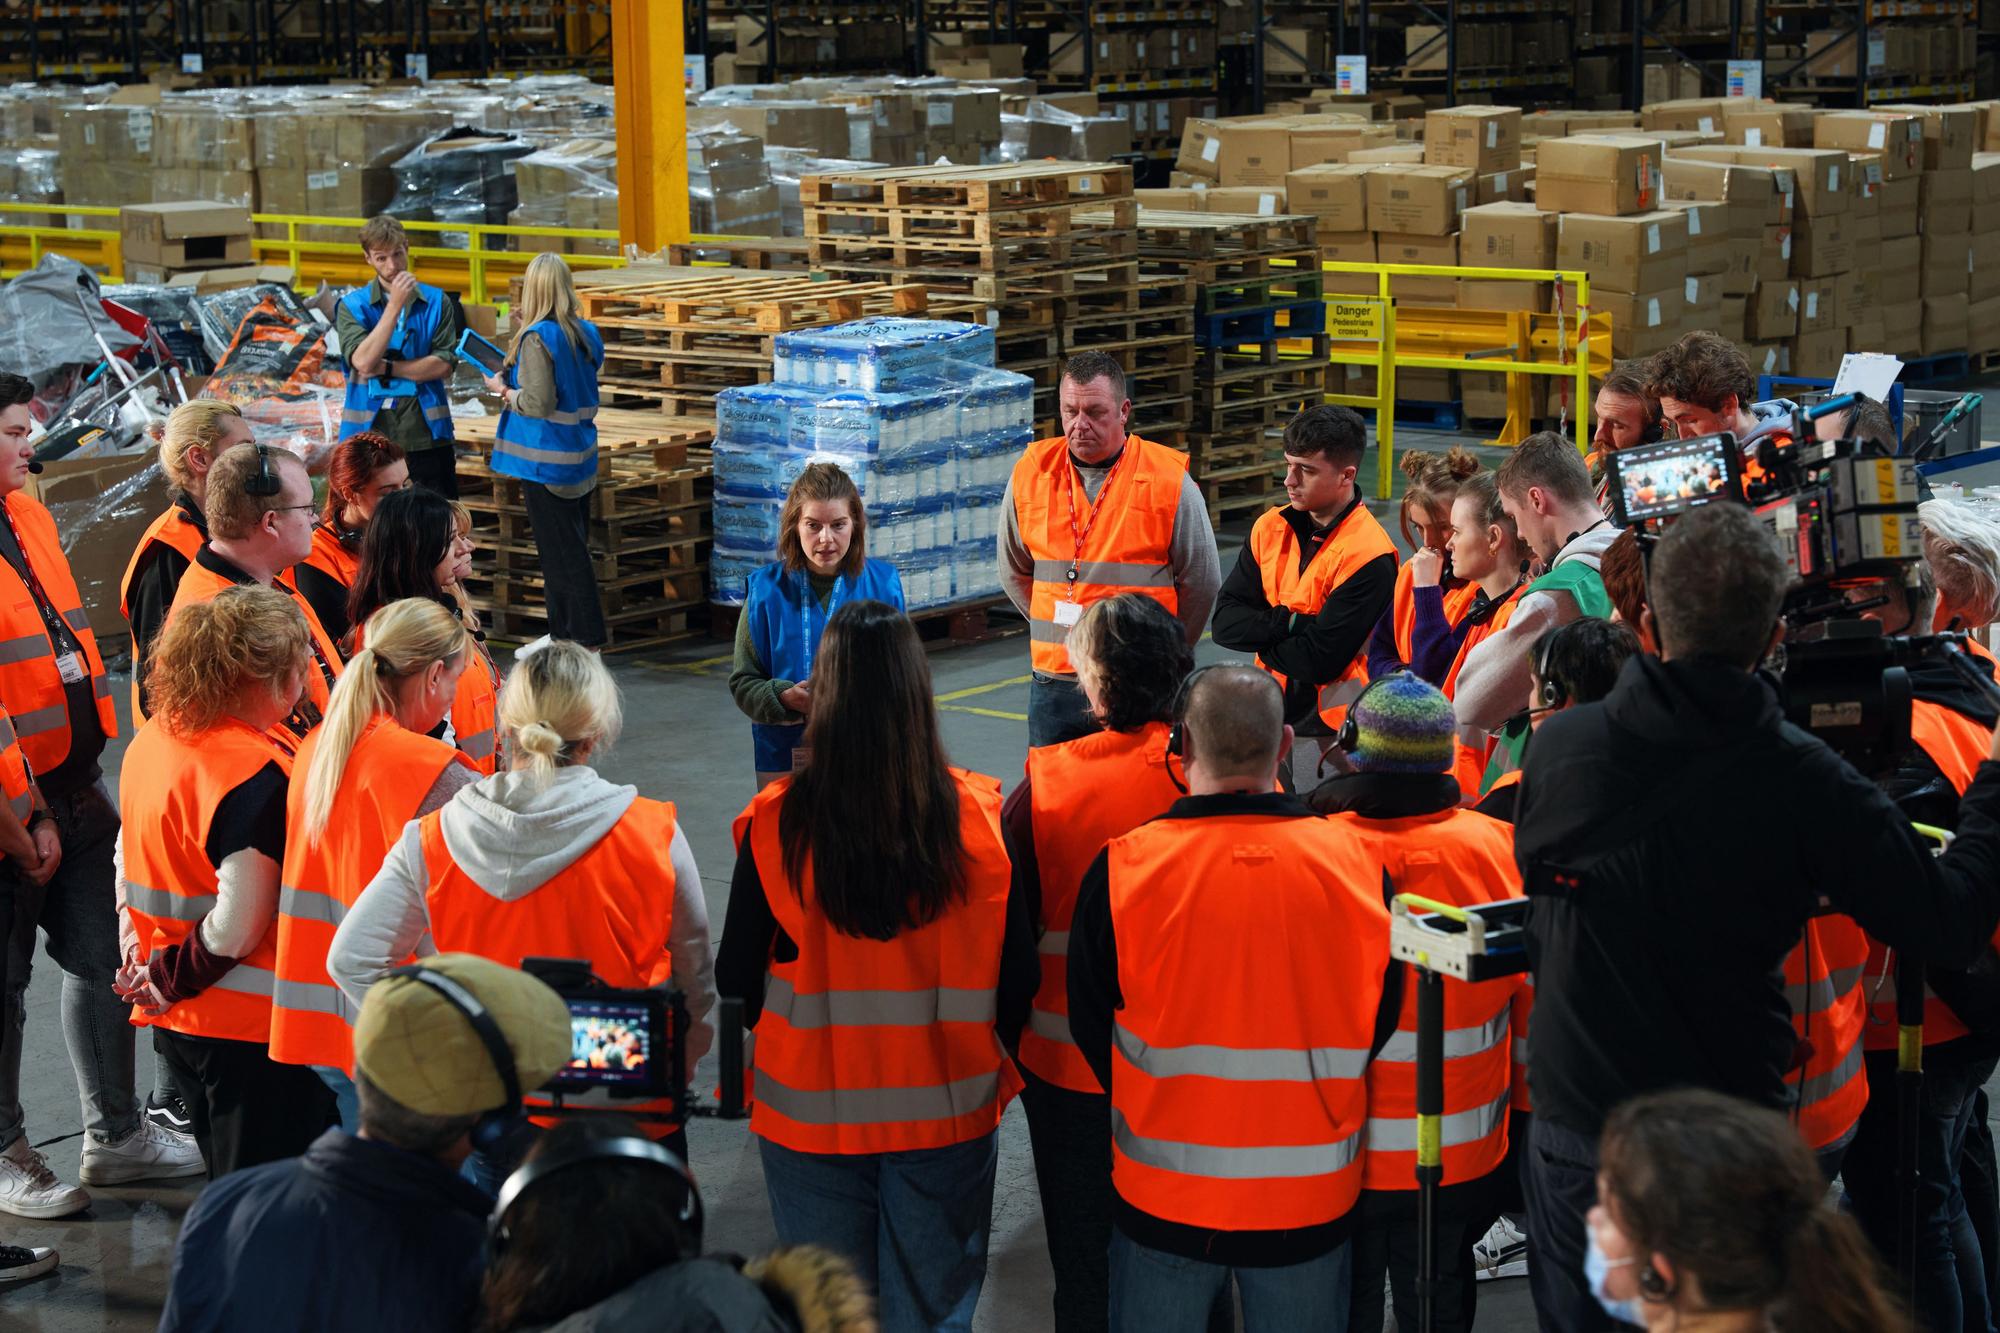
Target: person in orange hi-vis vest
(54, 689)
(1487, 550)
(259, 511)
(1401, 804)
(202, 792)
(365, 470)
(1130, 659)
(1424, 521)
(364, 774)
(1310, 584)
(1089, 514)
(1230, 982)
(419, 544)
(887, 968)
(547, 859)
(196, 434)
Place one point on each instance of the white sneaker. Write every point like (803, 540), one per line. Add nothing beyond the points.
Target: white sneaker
(29, 1189)
(147, 1153)
(1502, 1252)
(18, 1263)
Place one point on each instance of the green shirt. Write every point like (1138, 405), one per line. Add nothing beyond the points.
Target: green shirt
(403, 419)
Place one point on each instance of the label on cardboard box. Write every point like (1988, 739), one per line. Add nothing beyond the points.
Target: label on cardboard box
(1792, 298)
(1652, 312)
(89, 133)
(1706, 124)
(1652, 238)
(1694, 221)
(1785, 246)
(322, 180)
(1492, 134)
(1211, 150)
(1693, 290)
(1267, 205)
(1770, 367)
(1753, 137)
(1833, 176)
(1812, 305)
(1878, 134)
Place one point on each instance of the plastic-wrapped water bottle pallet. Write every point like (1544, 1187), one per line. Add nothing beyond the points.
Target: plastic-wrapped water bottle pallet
(1023, 185)
(1002, 255)
(956, 227)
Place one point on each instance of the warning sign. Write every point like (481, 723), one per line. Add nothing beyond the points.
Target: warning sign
(1354, 321)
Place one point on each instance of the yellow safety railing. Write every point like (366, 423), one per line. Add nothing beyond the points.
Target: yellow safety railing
(1374, 331)
(23, 244)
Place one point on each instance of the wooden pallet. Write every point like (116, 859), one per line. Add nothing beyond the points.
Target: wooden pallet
(624, 492)
(524, 592)
(1212, 236)
(752, 252)
(1144, 384)
(1000, 289)
(756, 303)
(950, 227)
(1011, 254)
(1231, 490)
(1219, 362)
(987, 189)
(1136, 329)
(625, 440)
(1279, 287)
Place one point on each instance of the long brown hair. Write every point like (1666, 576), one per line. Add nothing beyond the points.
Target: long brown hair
(1434, 480)
(1728, 1192)
(355, 460)
(876, 810)
(827, 483)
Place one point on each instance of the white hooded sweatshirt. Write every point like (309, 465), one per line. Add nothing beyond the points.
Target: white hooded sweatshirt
(510, 840)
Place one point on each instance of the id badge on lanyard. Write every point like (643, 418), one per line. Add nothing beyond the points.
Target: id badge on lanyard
(808, 637)
(1068, 610)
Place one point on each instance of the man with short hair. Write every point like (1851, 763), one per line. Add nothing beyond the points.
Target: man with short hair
(54, 690)
(255, 534)
(1626, 413)
(1866, 420)
(1089, 514)
(400, 1234)
(1312, 580)
(399, 345)
(1705, 386)
(1229, 982)
(1658, 921)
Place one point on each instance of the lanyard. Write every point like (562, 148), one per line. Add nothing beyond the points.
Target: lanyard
(1080, 535)
(61, 637)
(808, 639)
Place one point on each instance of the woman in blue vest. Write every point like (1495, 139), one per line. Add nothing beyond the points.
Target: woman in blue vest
(548, 439)
(822, 565)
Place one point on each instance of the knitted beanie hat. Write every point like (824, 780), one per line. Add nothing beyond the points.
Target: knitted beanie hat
(1403, 724)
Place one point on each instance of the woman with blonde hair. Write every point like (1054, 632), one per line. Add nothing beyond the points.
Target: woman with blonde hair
(822, 563)
(1433, 482)
(548, 439)
(363, 774)
(196, 434)
(202, 798)
(366, 469)
(546, 859)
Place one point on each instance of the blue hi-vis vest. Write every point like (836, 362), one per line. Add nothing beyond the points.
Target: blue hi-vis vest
(786, 621)
(365, 398)
(561, 448)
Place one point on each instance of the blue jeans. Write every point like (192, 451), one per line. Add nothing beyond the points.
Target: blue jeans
(344, 1096)
(1156, 1292)
(914, 1224)
(1057, 711)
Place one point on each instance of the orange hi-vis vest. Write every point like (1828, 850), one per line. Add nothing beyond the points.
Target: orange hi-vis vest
(170, 529)
(16, 786)
(614, 905)
(474, 706)
(1119, 543)
(1358, 540)
(1823, 984)
(1522, 1008)
(1472, 746)
(1250, 955)
(1957, 745)
(330, 556)
(31, 683)
(1085, 793)
(1403, 609)
(201, 584)
(872, 1046)
(168, 790)
(386, 777)
(1463, 858)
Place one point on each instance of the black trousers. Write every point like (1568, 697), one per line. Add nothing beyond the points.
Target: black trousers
(1980, 1181)
(1385, 1243)
(1071, 1136)
(247, 1108)
(436, 468)
(569, 580)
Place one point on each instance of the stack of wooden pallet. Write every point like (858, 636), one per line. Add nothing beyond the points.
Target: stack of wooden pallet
(1259, 338)
(650, 518)
(673, 343)
(1047, 248)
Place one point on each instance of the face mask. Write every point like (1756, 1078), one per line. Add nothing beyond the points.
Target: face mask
(1597, 1266)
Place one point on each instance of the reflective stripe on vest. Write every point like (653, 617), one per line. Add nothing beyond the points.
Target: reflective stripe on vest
(1457, 1129)
(1250, 952)
(1829, 1015)
(1356, 542)
(31, 684)
(473, 709)
(419, 329)
(1084, 793)
(559, 449)
(868, 1046)
(1126, 547)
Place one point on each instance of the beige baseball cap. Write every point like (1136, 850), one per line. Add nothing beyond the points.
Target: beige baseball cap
(418, 1047)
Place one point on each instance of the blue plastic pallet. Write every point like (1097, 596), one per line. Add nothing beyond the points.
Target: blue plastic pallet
(1943, 366)
(1422, 416)
(1228, 328)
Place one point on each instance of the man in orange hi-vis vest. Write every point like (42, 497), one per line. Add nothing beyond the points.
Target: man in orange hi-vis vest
(1229, 984)
(1312, 581)
(1089, 514)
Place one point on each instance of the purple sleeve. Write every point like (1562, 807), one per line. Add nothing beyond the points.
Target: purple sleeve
(1434, 640)
(1382, 655)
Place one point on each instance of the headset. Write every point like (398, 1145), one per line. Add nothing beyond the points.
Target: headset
(1555, 692)
(675, 1176)
(266, 482)
(493, 1129)
(1177, 734)
(1349, 735)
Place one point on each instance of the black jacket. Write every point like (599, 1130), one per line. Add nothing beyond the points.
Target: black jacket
(1673, 840)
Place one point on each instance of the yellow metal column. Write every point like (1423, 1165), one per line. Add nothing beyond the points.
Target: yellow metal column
(648, 75)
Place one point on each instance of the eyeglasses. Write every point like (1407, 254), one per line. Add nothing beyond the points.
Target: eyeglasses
(284, 509)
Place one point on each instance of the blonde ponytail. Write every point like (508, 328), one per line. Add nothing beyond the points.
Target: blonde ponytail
(558, 700)
(400, 639)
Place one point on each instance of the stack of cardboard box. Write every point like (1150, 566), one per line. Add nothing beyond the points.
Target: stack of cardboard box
(205, 150)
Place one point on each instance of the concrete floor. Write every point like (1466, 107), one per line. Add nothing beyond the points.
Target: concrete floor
(684, 742)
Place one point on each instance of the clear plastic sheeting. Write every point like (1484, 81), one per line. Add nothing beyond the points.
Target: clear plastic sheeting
(463, 175)
(914, 411)
(51, 322)
(788, 165)
(569, 183)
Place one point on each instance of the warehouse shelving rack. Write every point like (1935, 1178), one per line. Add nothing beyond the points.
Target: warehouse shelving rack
(46, 40)
(1857, 24)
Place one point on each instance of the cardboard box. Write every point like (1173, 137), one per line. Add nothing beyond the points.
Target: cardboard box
(1947, 326)
(1817, 353)
(1902, 204)
(1484, 397)
(1335, 193)
(1902, 328)
(226, 279)
(1951, 134)
(1899, 138)
(1819, 304)
(1185, 200)
(1642, 323)
(1250, 150)
(182, 235)
(1685, 113)
(1704, 299)
(1315, 140)
(1614, 174)
(1985, 181)
(1823, 179)
(1768, 358)
(1505, 187)
(1821, 247)
(1349, 247)
(1768, 124)
(1947, 264)
(1642, 252)
(1985, 264)
(1507, 235)
(1392, 155)
(1423, 200)
(1773, 312)
(1757, 196)
(1394, 248)
(1243, 199)
(1774, 254)
(1946, 200)
(1707, 236)
(1485, 138)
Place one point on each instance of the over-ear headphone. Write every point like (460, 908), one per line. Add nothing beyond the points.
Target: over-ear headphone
(675, 1178)
(266, 482)
(1349, 734)
(492, 1130)
(1177, 735)
(1555, 693)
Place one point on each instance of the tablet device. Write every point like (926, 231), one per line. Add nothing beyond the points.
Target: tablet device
(482, 352)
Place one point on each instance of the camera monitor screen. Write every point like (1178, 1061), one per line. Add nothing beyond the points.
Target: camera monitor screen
(1672, 476)
(614, 1043)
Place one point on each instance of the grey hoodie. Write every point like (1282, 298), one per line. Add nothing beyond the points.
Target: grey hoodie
(511, 839)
